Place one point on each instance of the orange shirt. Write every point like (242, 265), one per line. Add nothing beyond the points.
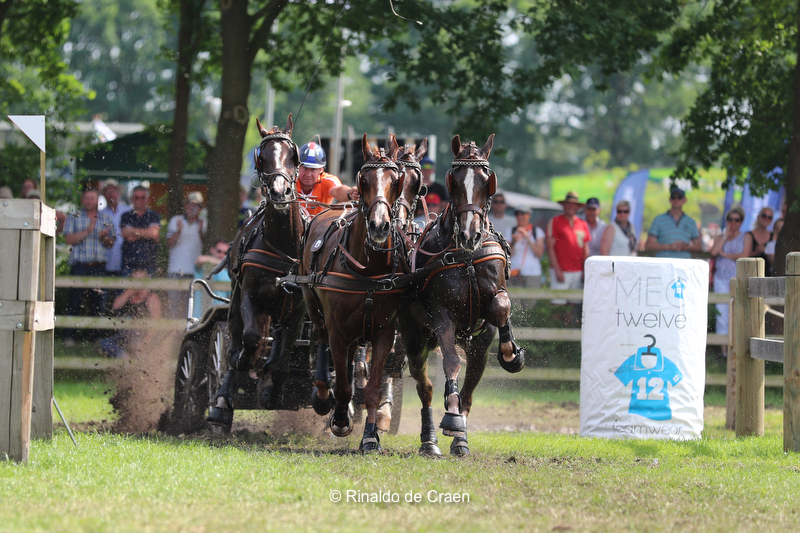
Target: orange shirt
(321, 192)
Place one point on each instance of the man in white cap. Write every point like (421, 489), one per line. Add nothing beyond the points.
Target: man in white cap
(185, 241)
(114, 209)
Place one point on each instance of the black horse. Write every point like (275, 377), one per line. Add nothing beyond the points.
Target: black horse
(265, 248)
(460, 297)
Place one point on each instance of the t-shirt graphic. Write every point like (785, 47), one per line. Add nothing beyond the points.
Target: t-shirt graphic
(649, 392)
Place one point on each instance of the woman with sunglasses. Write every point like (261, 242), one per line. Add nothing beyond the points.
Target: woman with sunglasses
(727, 248)
(760, 236)
(620, 238)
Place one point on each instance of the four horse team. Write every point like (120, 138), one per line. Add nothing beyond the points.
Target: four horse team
(366, 275)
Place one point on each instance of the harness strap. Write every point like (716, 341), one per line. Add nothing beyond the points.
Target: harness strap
(369, 318)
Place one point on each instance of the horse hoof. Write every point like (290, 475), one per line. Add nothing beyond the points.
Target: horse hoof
(220, 420)
(341, 431)
(430, 449)
(321, 407)
(384, 417)
(453, 425)
(459, 447)
(516, 364)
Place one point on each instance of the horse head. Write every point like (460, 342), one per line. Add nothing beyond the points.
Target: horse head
(408, 159)
(471, 184)
(379, 185)
(277, 162)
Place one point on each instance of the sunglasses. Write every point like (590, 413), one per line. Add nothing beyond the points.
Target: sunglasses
(498, 201)
(766, 216)
(623, 211)
(734, 219)
(676, 197)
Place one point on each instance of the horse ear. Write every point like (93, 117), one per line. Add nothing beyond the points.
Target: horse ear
(261, 129)
(487, 148)
(422, 150)
(289, 126)
(455, 145)
(393, 147)
(366, 151)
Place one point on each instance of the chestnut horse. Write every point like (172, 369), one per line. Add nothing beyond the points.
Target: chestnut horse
(347, 272)
(461, 297)
(265, 248)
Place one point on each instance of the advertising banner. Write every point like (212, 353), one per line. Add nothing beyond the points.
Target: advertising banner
(643, 345)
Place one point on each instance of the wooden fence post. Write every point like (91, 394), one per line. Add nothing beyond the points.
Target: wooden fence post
(749, 372)
(27, 290)
(791, 356)
(730, 389)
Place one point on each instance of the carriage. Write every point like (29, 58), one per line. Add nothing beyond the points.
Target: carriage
(202, 365)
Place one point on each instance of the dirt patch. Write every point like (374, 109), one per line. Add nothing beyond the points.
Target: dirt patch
(145, 385)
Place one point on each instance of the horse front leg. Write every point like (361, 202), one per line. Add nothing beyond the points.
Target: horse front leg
(341, 421)
(510, 356)
(381, 346)
(417, 354)
(454, 423)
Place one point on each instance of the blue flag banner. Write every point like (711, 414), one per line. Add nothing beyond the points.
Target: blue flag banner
(753, 204)
(632, 189)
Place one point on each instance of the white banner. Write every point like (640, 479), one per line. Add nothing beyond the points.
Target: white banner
(643, 345)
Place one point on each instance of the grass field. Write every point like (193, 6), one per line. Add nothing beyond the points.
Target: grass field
(514, 481)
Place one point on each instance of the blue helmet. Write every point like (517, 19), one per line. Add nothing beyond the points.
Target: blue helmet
(312, 156)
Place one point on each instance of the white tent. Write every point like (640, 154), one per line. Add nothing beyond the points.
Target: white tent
(515, 199)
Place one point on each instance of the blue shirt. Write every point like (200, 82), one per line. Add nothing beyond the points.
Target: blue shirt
(114, 263)
(667, 231)
(90, 249)
(649, 389)
(141, 254)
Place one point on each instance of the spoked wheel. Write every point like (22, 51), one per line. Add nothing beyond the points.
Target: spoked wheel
(217, 364)
(191, 396)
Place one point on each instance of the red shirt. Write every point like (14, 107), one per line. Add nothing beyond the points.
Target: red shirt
(569, 242)
(321, 192)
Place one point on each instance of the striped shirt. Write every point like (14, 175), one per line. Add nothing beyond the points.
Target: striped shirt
(90, 249)
(667, 230)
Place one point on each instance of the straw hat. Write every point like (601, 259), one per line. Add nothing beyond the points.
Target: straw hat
(572, 198)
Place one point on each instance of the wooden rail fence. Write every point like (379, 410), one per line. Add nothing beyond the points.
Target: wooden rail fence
(751, 348)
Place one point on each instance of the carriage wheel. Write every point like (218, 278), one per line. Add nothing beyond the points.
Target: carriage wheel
(191, 399)
(217, 364)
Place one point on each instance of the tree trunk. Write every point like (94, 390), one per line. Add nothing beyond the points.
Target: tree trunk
(180, 119)
(225, 160)
(789, 238)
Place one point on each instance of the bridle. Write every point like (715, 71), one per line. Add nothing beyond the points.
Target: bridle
(267, 178)
(366, 209)
(482, 211)
(401, 200)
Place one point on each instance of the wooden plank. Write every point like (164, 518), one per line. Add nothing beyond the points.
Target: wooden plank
(20, 214)
(21, 395)
(41, 410)
(749, 372)
(48, 261)
(107, 322)
(154, 284)
(791, 356)
(766, 287)
(29, 316)
(767, 349)
(48, 220)
(730, 382)
(29, 254)
(9, 273)
(6, 386)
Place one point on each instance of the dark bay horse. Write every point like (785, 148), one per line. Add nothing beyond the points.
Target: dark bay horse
(265, 248)
(460, 297)
(348, 265)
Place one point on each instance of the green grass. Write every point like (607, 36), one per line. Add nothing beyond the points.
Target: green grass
(516, 481)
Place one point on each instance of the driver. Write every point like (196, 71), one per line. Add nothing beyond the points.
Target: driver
(316, 184)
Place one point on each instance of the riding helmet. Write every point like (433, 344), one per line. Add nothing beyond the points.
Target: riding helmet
(312, 156)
